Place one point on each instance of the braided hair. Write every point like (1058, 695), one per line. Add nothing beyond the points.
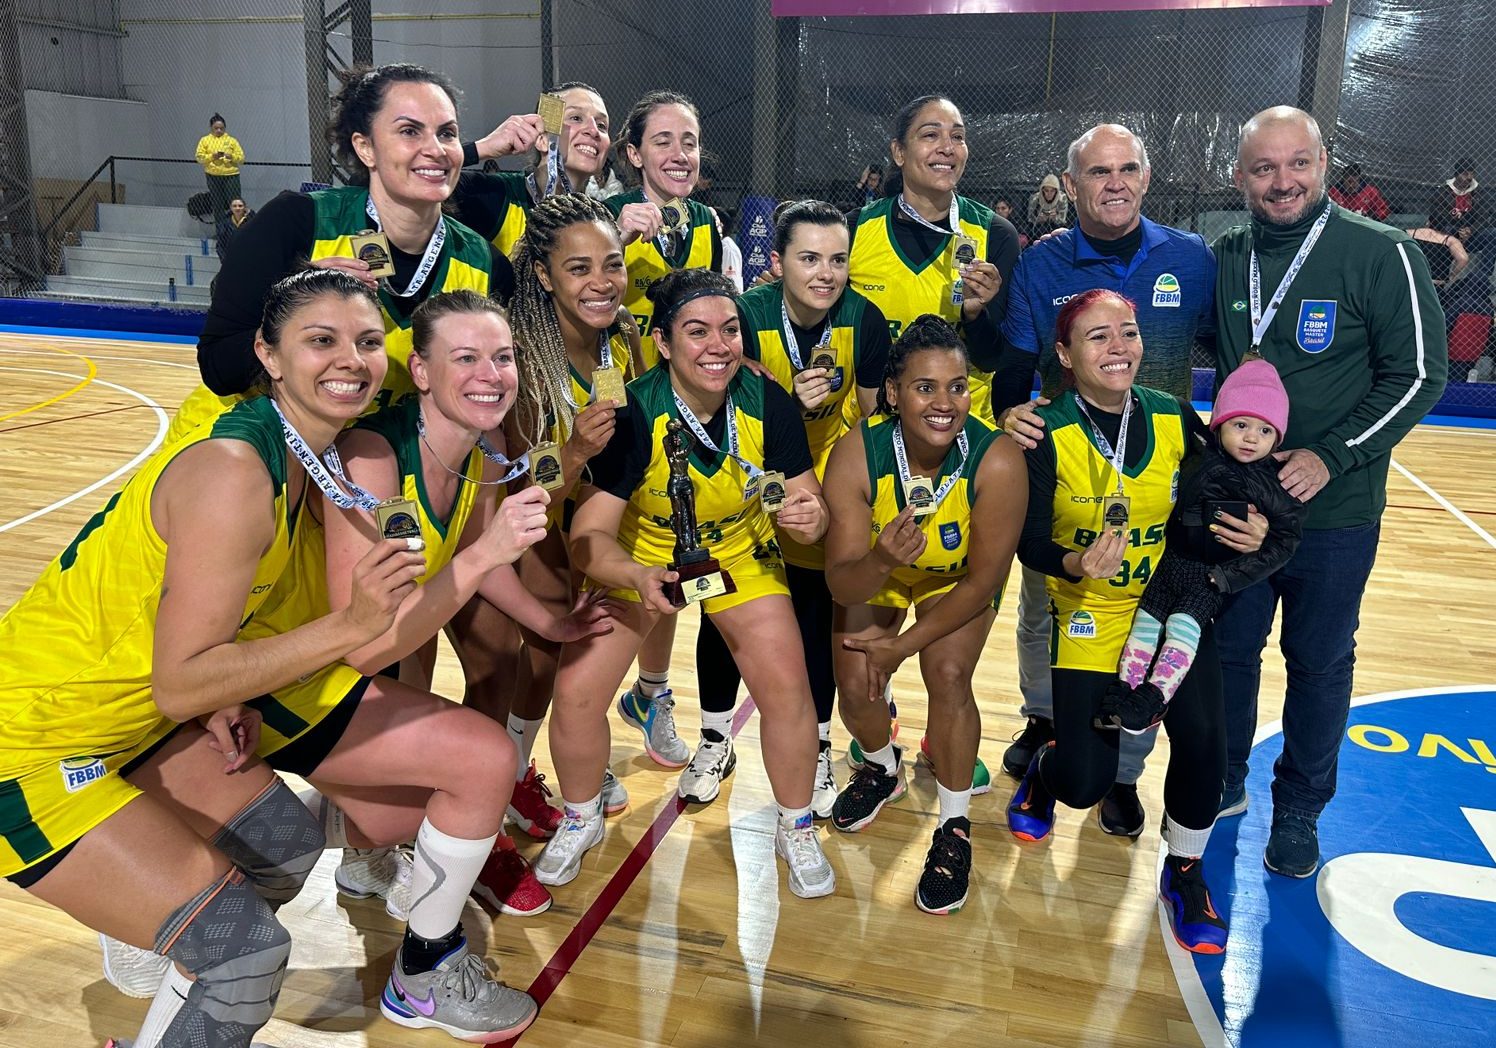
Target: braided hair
(927, 331)
(544, 372)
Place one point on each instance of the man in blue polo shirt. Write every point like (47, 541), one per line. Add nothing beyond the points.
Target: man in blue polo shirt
(1170, 274)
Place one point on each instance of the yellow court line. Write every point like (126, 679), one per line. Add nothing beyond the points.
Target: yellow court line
(93, 370)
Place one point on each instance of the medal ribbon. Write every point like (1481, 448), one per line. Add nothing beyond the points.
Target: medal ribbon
(1114, 455)
(515, 467)
(1261, 320)
(428, 260)
(902, 458)
(555, 174)
(958, 284)
(791, 346)
(604, 360)
(318, 471)
(690, 419)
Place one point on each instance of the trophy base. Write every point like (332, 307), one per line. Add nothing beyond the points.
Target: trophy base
(698, 581)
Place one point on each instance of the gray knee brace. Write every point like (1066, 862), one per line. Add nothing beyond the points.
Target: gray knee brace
(276, 841)
(232, 944)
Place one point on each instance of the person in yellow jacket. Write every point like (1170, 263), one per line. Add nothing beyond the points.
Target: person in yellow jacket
(221, 156)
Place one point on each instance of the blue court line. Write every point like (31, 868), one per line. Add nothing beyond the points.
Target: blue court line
(127, 336)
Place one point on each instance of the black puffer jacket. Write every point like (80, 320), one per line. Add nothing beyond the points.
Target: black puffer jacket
(1211, 475)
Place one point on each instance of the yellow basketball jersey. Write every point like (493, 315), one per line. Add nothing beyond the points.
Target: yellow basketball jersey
(905, 288)
(646, 264)
(1084, 478)
(948, 529)
(731, 526)
(78, 645)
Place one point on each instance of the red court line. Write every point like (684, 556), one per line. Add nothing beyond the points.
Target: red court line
(559, 966)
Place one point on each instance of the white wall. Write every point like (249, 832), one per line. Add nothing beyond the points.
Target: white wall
(70, 135)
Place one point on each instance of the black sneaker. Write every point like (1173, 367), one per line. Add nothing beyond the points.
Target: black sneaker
(1292, 846)
(1038, 733)
(943, 886)
(871, 788)
(1120, 812)
(1133, 710)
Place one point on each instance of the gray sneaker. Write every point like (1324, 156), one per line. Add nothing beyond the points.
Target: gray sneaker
(615, 793)
(459, 998)
(655, 719)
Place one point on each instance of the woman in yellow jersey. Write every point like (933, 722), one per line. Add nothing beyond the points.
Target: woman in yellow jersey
(395, 130)
(139, 618)
(949, 563)
(924, 249)
(568, 322)
(1102, 482)
(742, 437)
(496, 203)
(828, 346)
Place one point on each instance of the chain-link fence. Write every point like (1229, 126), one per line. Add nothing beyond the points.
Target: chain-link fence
(790, 106)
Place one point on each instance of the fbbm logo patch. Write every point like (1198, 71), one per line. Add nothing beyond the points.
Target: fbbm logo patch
(1166, 291)
(78, 772)
(950, 536)
(1390, 944)
(1316, 328)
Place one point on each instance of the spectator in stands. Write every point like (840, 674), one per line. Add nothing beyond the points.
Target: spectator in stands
(239, 213)
(1354, 193)
(1048, 209)
(1454, 206)
(869, 186)
(220, 154)
(1005, 210)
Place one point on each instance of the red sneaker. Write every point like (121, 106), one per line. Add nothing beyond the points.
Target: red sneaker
(529, 809)
(508, 884)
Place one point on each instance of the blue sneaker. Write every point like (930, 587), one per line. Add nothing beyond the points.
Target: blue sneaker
(655, 720)
(1233, 801)
(1192, 917)
(1031, 819)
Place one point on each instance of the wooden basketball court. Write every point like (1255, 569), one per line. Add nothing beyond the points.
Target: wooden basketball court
(678, 932)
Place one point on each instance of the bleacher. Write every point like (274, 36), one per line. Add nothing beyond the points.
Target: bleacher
(139, 254)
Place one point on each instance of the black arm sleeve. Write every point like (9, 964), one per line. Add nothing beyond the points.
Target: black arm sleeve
(716, 266)
(873, 345)
(785, 445)
(266, 249)
(1194, 425)
(470, 157)
(981, 333)
(1013, 378)
(1037, 548)
(620, 466)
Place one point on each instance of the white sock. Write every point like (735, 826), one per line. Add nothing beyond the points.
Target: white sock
(954, 804)
(334, 822)
(823, 729)
(587, 810)
(721, 723)
(1183, 842)
(789, 816)
(446, 868)
(524, 733)
(170, 997)
(884, 757)
(653, 684)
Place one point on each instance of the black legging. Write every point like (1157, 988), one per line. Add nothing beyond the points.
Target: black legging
(717, 675)
(1083, 764)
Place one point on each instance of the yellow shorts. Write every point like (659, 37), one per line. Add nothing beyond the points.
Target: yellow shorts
(47, 806)
(759, 573)
(202, 405)
(293, 715)
(911, 589)
(1088, 638)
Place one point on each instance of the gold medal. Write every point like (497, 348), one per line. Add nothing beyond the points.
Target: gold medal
(552, 108)
(675, 216)
(704, 587)
(374, 248)
(965, 252)
(771, 491)
(397, 519)
(827, 359)
(920, 493)
(1114, 510)
(607, 384)
(545, 466)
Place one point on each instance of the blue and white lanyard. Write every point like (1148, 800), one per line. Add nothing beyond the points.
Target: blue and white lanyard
(515, 467)
(1119, 453)
(1262, 320)
(791, 346)
(689, 416)
(317, 469)
(958, 283)
(428, 260)
(902, 458)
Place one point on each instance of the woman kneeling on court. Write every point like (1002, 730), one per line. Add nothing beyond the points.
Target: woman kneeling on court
(139, 617)
(1102, 482)
(747, 451)
(945, 551)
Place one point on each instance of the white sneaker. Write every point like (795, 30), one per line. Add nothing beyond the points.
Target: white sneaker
(712, 762)
(365, 872)
(811, 875)
(397, 902)
(825, 789)
(615, 794)
(130, 970)
(562, 859)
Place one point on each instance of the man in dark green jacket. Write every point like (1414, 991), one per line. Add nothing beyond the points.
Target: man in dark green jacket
(1344, 308)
